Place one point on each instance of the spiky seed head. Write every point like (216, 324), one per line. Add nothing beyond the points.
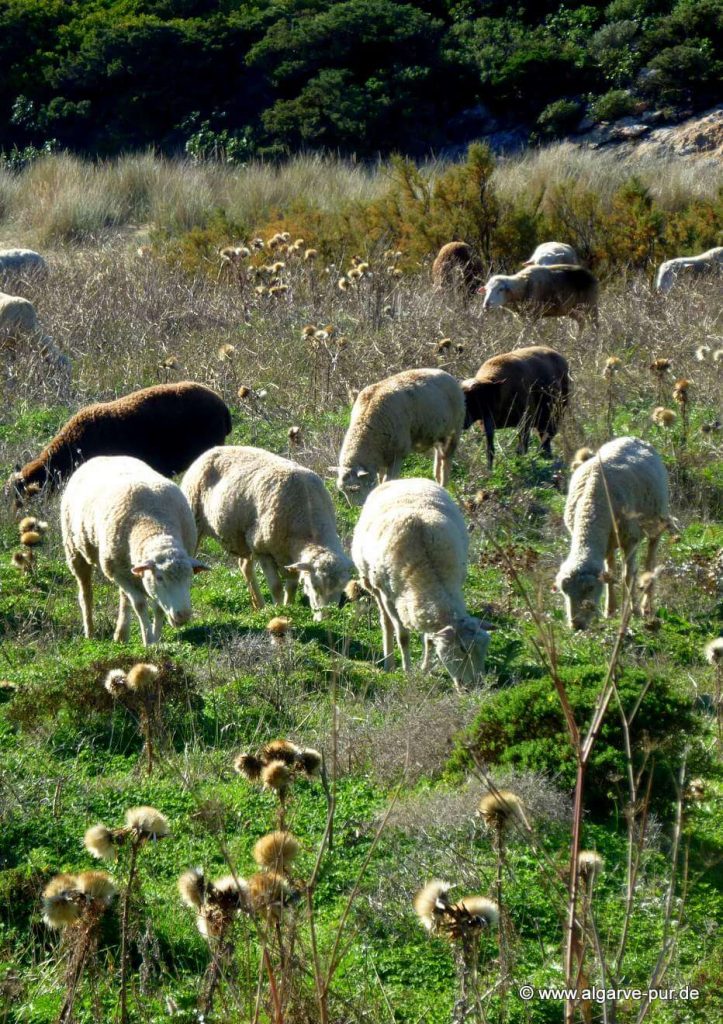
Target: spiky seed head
(277, 267)
(257, 243)
(444, 344)
(243, 392)
(696, 790)
(702, 352)
(99, 841)
(276, 775)
(485, 913)
(277, 851)
(285, 236)
(310, 761)
(680, 391)
(500, 809)
(96, 885)
(279, 627)
(354, 274)
(31, 523)
(147, 822)
(7, 686)
(192, 887)
(354, 591)
(612, 365)
(281, 750)
(278, 289)
(431, 902)
(396, 272)
(714, 651)
(170, 363)
(580, 456)
(22, 560)
(311, 254)
(226, 352)
(61, 906)
(660, 366)
(309, 331)
(31, 538)
(116, 682)
(663, 417)
(343, 284)
(268, 892)
(294, 435)
(718, 355)
(261, 289)
(589, 864)
(249, 766)
(142, 677)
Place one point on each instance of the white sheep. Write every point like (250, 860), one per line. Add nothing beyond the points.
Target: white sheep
(412, 411)
(135, 525)
(257, 504)
(706, 263)
(410, 549)
(14, 262)
(552, 253)
(616, 498)
(18, 318)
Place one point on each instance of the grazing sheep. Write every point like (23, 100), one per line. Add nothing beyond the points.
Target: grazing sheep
(553, 254)
(26, 262)
(410, 548)
(135, 525)
(19, 319)
(456, 266)
(616, 498)
(708, 262)
(527, 387)
(167, 426)
(545, 291)
(412, 411)
(258, 504)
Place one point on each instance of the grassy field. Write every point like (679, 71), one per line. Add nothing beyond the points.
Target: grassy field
(408, 759)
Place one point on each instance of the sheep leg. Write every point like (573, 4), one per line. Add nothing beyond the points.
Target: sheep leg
(291, 585)
(443, 455)
(629, 579)
(83, 573)
(387, 633)
(158, 617)
(123, 623)
(140, 607)
(427, 652)
(403, 643)
(523, 438)
(651, 557)
(246, 565)
(489, 425)
(273, 579)
(611, 605)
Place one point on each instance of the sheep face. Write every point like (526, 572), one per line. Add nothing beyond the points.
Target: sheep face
(356, 483)
(582, 592)
(462, 649)
(167, 581)
(323, 579)
(496, 293)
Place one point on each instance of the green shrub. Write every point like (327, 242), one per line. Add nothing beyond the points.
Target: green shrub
(559, 118)
(523, 727)
(612, 105)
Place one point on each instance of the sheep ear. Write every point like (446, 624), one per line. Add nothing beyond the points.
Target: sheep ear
(299, 567)
(554, 588)
(482, 289)
(138, 570)
(199, 566)
(362, 472)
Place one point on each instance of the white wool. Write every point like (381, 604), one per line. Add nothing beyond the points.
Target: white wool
(616, 499)
(669, 271)
(410, 548)
(553, 253)
(120, 515)
(259, 505)
(412, 411)
(21, 261)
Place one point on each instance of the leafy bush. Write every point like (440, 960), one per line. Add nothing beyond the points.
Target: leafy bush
(559, 118)
(612, 105)
(523, 727)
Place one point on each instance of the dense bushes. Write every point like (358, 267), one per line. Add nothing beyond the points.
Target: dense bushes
(362, 76)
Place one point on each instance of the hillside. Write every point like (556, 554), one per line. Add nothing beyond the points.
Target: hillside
(359, 77)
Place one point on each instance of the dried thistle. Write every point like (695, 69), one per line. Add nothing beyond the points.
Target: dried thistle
(309, 331)
(61, 902)
(277, 851)
(343, 284)
(281, 750)
(101, 842)
(249, 766)
(97, 885)
(660, 366)
(23, 560)
(279, 627)
(269, 893)
(663, 417)
(501, 809)
(580, 456)
(714, 652)
(32, 524)
(243, 392)
(142, 677)
(192, 887)
(294, 435)
(612, 365)
(276, 776)
(680, 391)
(589, 864)
(431, 903)
(31, 538)
(310, 761)
(147, 823)
(226, 352)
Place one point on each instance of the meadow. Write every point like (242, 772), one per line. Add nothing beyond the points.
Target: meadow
(137, 294)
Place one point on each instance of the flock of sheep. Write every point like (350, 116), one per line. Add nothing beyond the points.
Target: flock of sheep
(121, 513)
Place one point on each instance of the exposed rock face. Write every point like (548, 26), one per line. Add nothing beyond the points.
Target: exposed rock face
(700, 136)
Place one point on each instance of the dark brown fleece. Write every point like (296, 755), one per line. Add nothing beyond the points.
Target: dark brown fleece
(527, 388)
(456, 266)
(167, 426)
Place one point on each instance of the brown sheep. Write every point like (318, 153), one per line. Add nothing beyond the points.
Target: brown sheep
(526, 388)
(456, 266)
(546, 291)
(166, 426)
